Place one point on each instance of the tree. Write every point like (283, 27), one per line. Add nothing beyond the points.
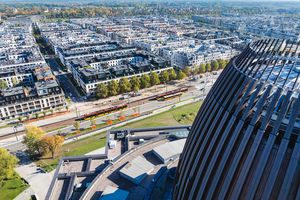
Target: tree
(101, 90)
(32, 140)
(222, 64)
(113, 88)
(164, 77)
(145, 81)
(154, 78)
(208, 67)
(7, 164)
(15, 81)
(77, 126)
(20, 118)
(52, 143)
(172, 74)
(124, 85)
(180, 75)
(195, 70)
(202, 68)
(3, 85)
(215, 65)
(135, 84)
(93, 123)
(187, 71)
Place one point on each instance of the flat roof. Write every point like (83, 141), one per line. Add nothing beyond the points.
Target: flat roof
(114, 193)
(169, 150)
(137, 169)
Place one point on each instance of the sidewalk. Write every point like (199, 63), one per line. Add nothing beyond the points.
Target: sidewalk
(26, 194)
(39, 181)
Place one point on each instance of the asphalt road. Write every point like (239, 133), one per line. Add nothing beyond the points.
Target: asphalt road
(64, 80)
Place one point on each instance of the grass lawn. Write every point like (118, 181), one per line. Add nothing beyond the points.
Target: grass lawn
(76, 148)
(84, 131)
(5, 126)
(183, 115)
(54, 129)
(12, 187)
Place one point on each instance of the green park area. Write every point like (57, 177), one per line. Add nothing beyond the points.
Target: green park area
(182, 115)
(76, 148)
(177, 116)
(12, 187)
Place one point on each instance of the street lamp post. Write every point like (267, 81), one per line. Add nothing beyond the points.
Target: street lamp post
(15, 131)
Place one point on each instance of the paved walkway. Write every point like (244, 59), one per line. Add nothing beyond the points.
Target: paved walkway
(25, 195)
(39, 181)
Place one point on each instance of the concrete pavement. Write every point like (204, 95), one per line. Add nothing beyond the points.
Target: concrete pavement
(38, 180)
(25, 195)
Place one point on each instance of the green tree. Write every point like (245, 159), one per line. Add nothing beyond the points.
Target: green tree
(222, 63)
(32, 140)
(154, 78)
(3, 85)
(164, 77)
(202, 68)
(15, 81)
(195, 70)
(113, 88)
(208, 67)
(124, 85)
(172, 74)
(135, 84)
(180, 75)
(145, 81)
(7, 164)
(20, 118)
(101, 90)
(187, 71)
(215, 65)
(77, 126)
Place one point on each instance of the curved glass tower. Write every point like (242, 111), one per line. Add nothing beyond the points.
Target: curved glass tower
(245, 141)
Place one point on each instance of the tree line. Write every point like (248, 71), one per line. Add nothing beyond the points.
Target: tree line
(208, 67)
(134, 84)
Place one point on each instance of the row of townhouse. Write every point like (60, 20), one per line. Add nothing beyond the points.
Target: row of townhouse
(30, 85)
(26, 100)
(88, 73)
(202, 54)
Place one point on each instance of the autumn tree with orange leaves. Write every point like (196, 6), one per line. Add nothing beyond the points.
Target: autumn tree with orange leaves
(53, 143)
